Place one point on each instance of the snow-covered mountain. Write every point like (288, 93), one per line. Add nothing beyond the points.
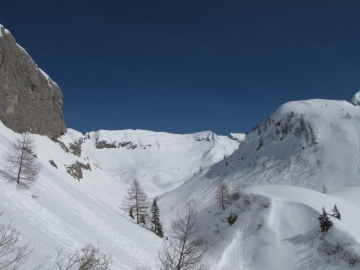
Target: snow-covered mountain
(59, 211)
(160, 161)
(279, 171)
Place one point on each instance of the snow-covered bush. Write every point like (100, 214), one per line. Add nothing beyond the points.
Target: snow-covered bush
(324, 221)
(231, 218)
(88, 257)
(235, 196)
(341, 248)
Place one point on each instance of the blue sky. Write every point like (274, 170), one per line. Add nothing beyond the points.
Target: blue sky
(188, 66)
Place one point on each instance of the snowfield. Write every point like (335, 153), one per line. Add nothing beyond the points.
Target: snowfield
(280, 172)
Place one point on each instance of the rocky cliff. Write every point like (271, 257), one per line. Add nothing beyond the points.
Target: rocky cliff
(29, 99)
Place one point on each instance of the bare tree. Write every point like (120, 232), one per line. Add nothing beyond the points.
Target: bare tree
(184, 250)
(12, 255)
(86, 258)
(22, 161)
(136, 200)
(222, 195)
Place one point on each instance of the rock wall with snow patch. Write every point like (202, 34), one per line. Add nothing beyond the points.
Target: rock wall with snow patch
(29, 99)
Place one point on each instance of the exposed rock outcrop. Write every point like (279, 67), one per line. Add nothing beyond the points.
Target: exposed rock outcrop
(29, 99)
(105, 144)
(75, 170)
(129, 145)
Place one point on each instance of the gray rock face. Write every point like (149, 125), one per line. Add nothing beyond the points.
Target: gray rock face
(29, 99)
(75, 170)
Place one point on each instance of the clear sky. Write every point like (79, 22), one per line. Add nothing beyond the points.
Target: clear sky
(186, 66)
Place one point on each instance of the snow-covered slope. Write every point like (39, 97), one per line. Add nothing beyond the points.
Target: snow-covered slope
(306, 145)
(160, 161)
(311, 144)
(59, 211)
(279, 171)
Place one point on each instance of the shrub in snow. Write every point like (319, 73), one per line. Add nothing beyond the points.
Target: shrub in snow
(324, 221)
(235, 196)
(231, 218)
(344, 249)
(12, 255)
(336, 213)
(88, 257)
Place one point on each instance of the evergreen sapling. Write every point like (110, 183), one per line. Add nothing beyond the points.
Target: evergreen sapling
(336, 213)
(156, 226)
(324, 221)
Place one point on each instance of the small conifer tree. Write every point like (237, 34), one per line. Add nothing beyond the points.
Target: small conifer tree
(324, 221)
(336, 213)
(155, 220)
(231, 218)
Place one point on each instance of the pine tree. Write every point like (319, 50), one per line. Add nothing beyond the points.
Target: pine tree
(155, 220)
(222, 195)
(137, 200)
(336, 213)
(324, 221)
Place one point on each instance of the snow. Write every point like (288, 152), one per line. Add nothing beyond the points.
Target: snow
(288, 172)
(161, 161)
(356, 99)
(238, 136)
(279, 184)
(61, 212)
(49, 80)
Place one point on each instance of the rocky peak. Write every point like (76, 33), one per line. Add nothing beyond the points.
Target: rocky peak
(29, 99)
